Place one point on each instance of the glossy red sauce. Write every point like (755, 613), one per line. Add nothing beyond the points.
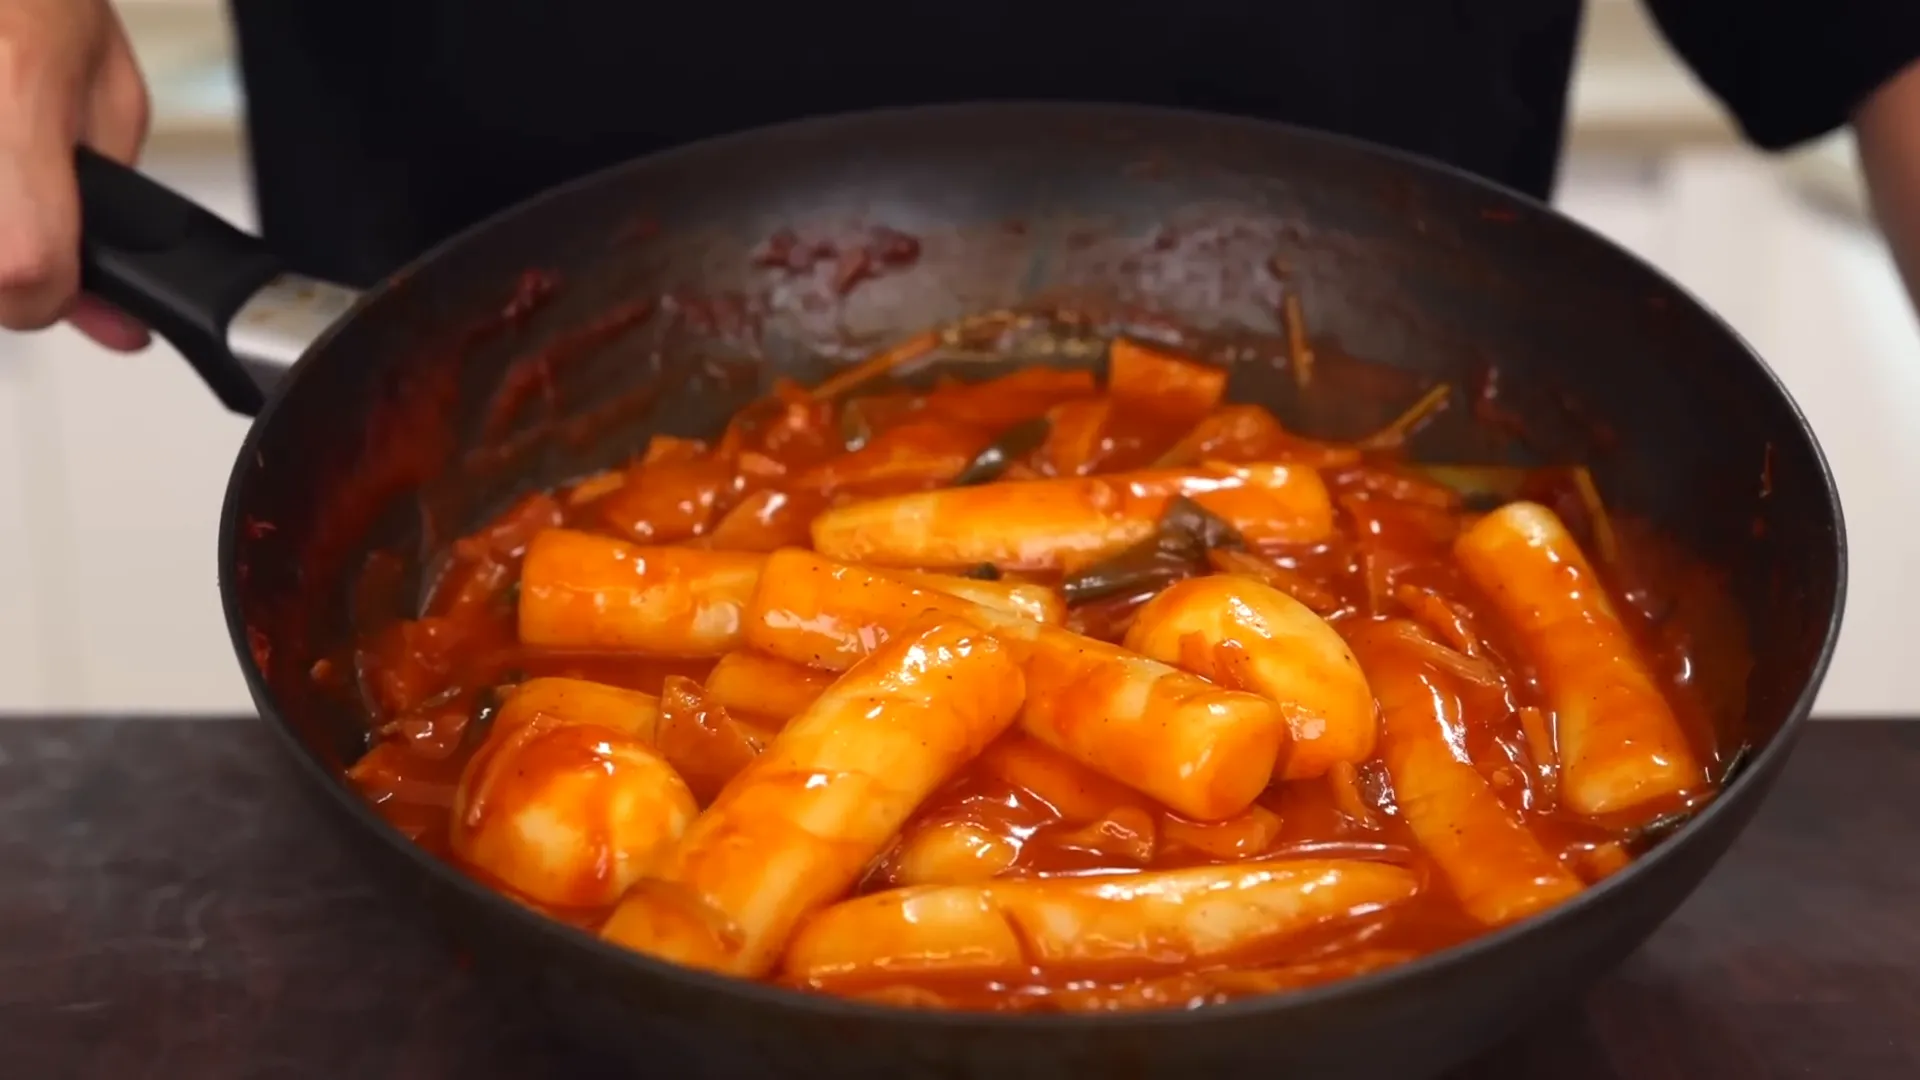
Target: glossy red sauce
(428, 681)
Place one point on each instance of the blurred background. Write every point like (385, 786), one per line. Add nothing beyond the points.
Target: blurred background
(112, 467)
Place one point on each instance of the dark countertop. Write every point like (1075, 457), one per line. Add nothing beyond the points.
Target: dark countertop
(172, 906)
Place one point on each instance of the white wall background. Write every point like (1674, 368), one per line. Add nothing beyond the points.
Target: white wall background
(111, 473)
(112, 467)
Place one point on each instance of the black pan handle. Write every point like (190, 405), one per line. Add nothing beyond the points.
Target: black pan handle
(217, 294)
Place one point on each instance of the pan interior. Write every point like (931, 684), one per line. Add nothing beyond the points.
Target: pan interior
(661, 296)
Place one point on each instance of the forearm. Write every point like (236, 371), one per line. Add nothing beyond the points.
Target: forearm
(1888, 129)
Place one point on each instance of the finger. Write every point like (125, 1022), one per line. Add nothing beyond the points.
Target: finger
(118, 108)
(43, 62)
(107, 325)
(118, 111)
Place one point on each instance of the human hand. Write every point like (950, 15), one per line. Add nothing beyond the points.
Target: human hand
(67, 76)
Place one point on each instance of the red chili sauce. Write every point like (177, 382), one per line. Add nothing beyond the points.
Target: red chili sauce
(432, 684)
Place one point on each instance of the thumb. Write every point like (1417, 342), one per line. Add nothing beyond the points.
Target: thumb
(43, 65)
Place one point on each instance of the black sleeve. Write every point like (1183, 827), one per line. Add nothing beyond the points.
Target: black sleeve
(1791, 70)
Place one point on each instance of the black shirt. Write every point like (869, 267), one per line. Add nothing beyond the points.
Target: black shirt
(380, 126)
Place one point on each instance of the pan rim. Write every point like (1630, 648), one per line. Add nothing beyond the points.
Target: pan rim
(824, 1007)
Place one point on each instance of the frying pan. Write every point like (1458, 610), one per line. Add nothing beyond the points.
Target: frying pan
(556, 337)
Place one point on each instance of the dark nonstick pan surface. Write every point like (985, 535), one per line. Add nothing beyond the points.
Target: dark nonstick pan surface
(656, 297)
